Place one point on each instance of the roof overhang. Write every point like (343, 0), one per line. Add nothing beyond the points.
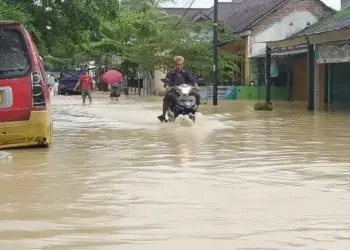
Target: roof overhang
(316, 38)
(277, 52)
(244, 33)
(288, 43)
(237, 40)
(330, 36)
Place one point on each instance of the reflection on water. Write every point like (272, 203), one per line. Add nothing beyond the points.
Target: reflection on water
(238, 179)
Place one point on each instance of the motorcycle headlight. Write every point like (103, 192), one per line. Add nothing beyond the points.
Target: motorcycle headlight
(186, 90)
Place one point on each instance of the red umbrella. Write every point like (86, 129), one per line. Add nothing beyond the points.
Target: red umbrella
(112, 76)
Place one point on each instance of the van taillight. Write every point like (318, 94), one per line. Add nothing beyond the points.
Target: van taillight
(37, 90)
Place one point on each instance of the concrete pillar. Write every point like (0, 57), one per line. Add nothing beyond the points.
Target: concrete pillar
(158, 84)
(311, 76)
(268, 74)
(247, 61)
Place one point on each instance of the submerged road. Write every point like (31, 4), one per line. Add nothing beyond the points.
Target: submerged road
(115, 178)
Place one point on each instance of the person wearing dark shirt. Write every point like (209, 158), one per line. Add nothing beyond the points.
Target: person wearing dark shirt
(175, 77)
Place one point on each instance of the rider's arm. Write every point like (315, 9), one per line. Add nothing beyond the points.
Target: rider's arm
(191, 79)
(170, 79)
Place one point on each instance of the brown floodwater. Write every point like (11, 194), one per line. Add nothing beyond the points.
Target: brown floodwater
(115, 178)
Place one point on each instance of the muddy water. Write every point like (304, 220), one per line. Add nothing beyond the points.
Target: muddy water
(239, 179)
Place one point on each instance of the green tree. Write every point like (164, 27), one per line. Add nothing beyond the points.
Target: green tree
(151, 39)
(15, 11)
(60, 28)
(70, 31)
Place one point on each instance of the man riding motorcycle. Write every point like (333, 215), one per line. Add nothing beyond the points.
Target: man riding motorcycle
(175, 77)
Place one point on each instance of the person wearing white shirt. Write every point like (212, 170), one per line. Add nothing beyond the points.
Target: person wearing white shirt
(55, 87)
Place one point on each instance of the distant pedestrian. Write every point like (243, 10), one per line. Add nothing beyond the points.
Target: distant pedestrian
(86, 85)
(55, 87)
(114, 91)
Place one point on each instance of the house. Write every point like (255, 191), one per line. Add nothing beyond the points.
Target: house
(272, 20)
(256, 22)
(327, 60)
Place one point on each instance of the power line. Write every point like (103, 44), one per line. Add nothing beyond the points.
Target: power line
(183, 15)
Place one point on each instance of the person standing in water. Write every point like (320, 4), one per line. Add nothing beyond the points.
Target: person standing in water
(55, 86)
(87, 86)
(114, 91)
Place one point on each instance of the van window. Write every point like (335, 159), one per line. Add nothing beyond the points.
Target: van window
(70, 75)
(14, 60)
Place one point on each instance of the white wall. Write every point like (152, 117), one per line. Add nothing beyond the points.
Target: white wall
(281, 30)
(158, 84)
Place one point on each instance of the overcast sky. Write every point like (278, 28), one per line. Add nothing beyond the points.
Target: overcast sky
(208, 3)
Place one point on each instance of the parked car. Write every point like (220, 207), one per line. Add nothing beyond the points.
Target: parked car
(25, 108)
(68, 80)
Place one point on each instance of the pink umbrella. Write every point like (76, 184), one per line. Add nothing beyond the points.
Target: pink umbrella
(112, 76)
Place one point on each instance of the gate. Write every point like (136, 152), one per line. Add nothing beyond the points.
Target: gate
(139, 86)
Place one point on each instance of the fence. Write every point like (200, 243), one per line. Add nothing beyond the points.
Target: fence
(224, 93)
(139, 86)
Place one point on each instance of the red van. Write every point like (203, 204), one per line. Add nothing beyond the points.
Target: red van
(25, 108)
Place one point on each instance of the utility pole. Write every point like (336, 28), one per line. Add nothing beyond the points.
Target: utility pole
(215, 54)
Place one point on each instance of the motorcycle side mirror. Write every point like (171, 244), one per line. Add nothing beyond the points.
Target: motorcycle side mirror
(201, 82)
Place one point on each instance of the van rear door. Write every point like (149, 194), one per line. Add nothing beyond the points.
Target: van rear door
(15, 78)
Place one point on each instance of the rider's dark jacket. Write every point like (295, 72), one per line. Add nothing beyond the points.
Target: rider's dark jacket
(175, 77)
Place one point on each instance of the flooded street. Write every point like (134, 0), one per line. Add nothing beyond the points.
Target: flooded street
(115, 178)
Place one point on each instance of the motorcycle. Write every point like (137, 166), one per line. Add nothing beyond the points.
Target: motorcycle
(185, 104)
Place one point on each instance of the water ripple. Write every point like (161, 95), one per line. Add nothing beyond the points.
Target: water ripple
(238, 179)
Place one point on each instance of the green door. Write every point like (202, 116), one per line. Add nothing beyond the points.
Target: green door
(340, 83)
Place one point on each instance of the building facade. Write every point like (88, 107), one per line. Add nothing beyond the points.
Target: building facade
(256, 22)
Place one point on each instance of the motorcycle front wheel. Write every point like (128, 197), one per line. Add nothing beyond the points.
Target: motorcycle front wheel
(192, 117)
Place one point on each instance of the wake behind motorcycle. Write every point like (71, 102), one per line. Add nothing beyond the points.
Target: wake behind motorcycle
(185, 103)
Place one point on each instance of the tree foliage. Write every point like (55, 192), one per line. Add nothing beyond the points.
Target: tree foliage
(68, 31)
(151, 39)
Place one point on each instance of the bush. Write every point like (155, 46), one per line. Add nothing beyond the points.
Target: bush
(263, 106)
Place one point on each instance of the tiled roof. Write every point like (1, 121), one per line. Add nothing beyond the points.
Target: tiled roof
(238, 14)
(241, 14)
(180, 11)
(225, 10)
(249, 11)
(334, 21)
(339, 20)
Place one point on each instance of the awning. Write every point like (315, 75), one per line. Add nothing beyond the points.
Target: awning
(288, 43)
(278, 53)
(330, 36)
(333, 53)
